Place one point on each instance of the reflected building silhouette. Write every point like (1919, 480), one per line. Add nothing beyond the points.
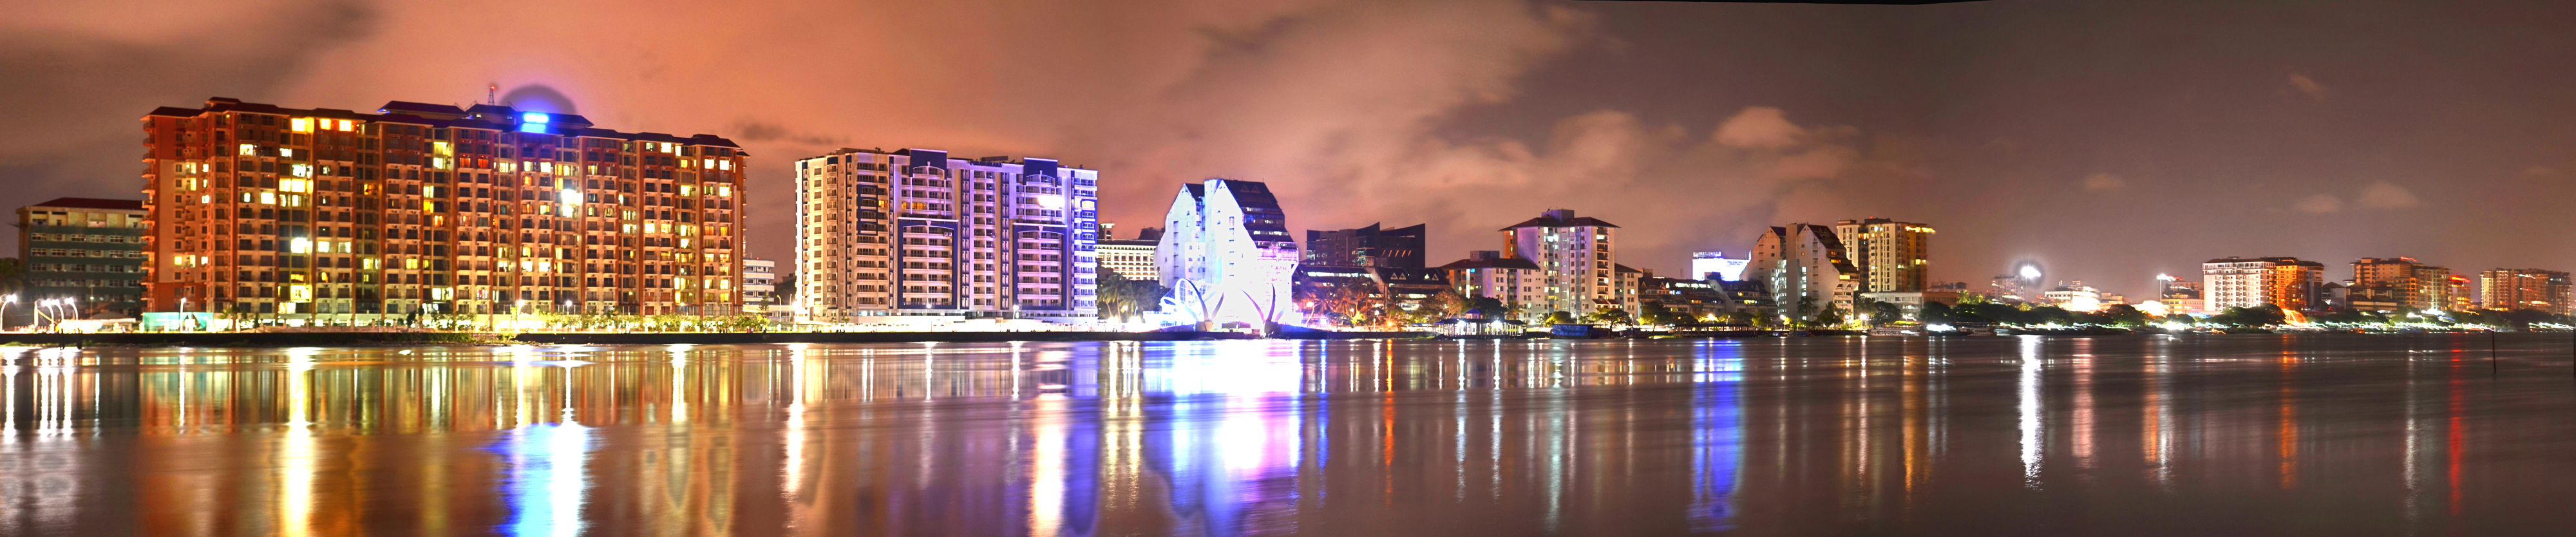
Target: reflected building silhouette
(1253, 437)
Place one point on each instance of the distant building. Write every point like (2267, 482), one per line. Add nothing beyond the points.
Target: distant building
(1488, 274)
(2395, 283)
(1692, 300)
(1804, 263)
(1129, 258)
(1892, 256)
(2172, 287)
(2010, 289)
(914, 232)
(760, 291)
(1628, 280)
(1911, 302)
(1576, 256)
(84, 249)
(2462, 293)
(1715, 266)
(2074, 296)
(1406, 288)
(2238, 282)
(2525, 289)
(1366, 247)
(1226, 255)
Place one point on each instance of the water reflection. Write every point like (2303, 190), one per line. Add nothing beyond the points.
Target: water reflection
(2264, 434)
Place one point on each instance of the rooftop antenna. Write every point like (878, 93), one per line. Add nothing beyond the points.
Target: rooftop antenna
(491, 94)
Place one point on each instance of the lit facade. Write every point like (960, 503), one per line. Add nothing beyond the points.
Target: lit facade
(914, 233)
(1226, 256)
(1804, 263)
(1715, 266)
(2525, 289)
(341, 216)
(2402, 282)
(87, 250)
(1892, 256)
(1578, 259)
(1130, 258)
(2238, 282)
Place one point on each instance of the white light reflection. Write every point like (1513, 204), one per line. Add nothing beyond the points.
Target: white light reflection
(2031, 434)
(547, 479)
(1717, 436)
(1224, 439)
(294, 465)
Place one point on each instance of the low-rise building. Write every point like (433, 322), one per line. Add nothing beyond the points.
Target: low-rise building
(760, 291)
(1129, 258)
(87, 251)
(1489, 274)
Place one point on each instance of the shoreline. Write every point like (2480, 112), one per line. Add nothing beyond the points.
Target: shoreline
(392, 339)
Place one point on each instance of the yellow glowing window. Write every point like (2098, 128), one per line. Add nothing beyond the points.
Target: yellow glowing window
(300, 125)
(268, 198)
(249, 150)
(344, 125)
(299, 293)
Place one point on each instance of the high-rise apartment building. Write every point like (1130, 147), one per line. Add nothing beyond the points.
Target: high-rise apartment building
(913, 232)
(340, 216)
(1806, 269)
(87, 250)
(1226, 256)
(2525, 289)
(1892, 256)
(1366, 247)
(2403, 282)
(2238, 282)
(1577, 256)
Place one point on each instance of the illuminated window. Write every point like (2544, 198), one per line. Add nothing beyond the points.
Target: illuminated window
(344, 125)
(300, 125)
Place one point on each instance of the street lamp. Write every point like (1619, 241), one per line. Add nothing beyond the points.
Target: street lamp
(5, 303)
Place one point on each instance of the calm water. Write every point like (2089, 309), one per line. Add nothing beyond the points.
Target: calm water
(2129, 435)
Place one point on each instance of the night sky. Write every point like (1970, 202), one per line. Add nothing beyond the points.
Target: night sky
(2109, 140)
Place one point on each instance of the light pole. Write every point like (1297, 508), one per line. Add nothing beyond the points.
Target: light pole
(183, 310)
(5, 303)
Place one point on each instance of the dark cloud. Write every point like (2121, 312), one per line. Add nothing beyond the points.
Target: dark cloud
(754, 131)
(539, 97)
(79, 74)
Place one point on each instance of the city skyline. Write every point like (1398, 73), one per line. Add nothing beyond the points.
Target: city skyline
(2088, 135)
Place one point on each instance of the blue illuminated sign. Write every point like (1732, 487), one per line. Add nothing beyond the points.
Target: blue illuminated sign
(533, 117)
